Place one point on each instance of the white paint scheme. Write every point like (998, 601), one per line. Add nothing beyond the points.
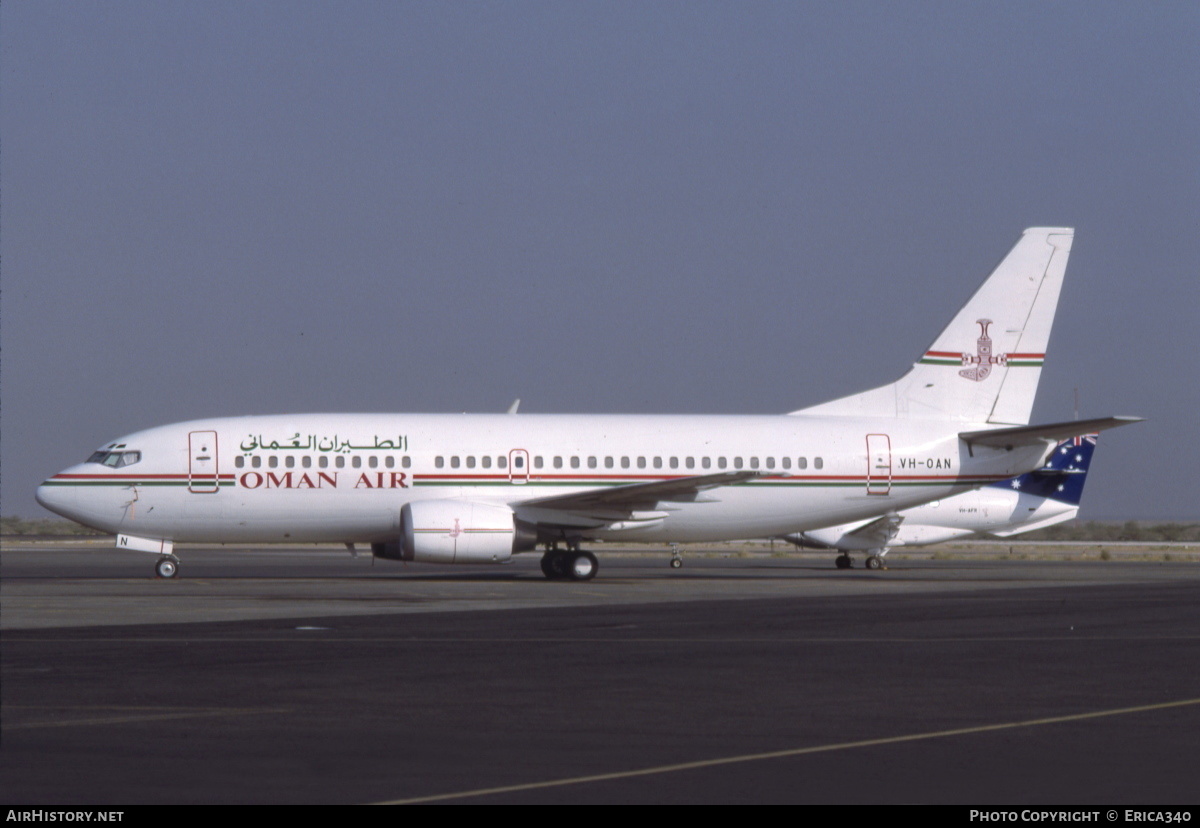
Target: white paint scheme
(888, 449)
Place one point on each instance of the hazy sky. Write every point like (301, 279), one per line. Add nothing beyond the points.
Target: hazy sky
(218, 208)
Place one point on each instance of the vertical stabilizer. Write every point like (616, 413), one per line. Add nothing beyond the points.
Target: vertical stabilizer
(985, 366)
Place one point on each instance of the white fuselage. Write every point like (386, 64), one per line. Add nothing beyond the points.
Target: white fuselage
(345, 477)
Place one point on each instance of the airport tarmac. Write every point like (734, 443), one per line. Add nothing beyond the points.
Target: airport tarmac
(308, 676)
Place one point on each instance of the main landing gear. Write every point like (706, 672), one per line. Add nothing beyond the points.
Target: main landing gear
(573, 564)
(167, 566)
(676, 557)
(874, 561)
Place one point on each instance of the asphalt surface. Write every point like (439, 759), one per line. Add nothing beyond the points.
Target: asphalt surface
(306, 676)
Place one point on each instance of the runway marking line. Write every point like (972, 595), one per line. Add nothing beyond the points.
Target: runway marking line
(129, 717)
(782, 754)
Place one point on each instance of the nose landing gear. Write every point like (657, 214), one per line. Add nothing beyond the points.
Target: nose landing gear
(167, 566)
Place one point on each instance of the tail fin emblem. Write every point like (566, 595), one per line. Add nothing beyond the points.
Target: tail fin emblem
(982, 359)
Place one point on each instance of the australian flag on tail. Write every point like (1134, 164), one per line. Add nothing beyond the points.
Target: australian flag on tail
(1063, 475)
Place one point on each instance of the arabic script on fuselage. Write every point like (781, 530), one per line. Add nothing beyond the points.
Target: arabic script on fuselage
(312, 442)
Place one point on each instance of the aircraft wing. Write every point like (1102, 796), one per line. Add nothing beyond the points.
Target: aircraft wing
(879, 532)
(1033, 434)
(621, 502)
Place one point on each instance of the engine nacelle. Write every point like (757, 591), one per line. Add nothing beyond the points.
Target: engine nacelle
(457, 531)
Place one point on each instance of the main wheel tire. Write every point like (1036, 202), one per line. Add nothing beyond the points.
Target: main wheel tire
(676, 563)
(584, 566)
(166, 568)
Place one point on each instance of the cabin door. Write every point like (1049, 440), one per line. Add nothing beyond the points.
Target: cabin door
(202, 462)
(879, 464)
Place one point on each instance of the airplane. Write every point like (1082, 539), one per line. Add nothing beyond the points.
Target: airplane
(479, 488)
(1034, 500)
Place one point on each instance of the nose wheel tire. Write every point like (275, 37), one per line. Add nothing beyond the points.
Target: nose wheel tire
(167, 567)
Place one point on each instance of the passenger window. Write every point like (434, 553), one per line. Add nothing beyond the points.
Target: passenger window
(574, 462)
(591, 462)
(737, 462)
(518, 462)
(502, 462)
(389, 462)
(787, 462)
(754, 462)
(272, 462)
(256, 461)
(471, 462)
(306, 462)
(673, 462)
(624, 462)
(290, 461)
(537, 461)
(239, 461)
(720, 462)
(557, 462)
(802, 463)
(356, 462)
(818, 463)
(486, 461)
(770, 462)
(641, 462)
(339, 461)
(439, 462)
(706, 462)
(406, 462)
(373, 462)
(454, 461)
(658, 462)
(323, 462)
(608, 462)
(690, 462)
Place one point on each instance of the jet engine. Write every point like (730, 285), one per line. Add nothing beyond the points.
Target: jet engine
(457, 531)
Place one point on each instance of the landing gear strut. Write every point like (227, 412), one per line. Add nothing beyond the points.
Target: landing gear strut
(676, 558)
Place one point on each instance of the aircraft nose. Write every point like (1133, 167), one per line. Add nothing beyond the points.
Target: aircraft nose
(58, 499)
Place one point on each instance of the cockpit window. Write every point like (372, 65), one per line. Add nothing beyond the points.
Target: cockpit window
(115, 459)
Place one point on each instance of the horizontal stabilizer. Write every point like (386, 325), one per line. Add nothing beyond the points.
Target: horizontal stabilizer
(1034, 434)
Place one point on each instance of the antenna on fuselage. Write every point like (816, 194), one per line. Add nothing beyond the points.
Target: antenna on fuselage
(512, 409)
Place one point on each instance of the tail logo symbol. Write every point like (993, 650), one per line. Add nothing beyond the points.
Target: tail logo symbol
(982, 359)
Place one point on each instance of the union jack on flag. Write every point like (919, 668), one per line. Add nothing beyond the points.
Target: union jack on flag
(1078, 440)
